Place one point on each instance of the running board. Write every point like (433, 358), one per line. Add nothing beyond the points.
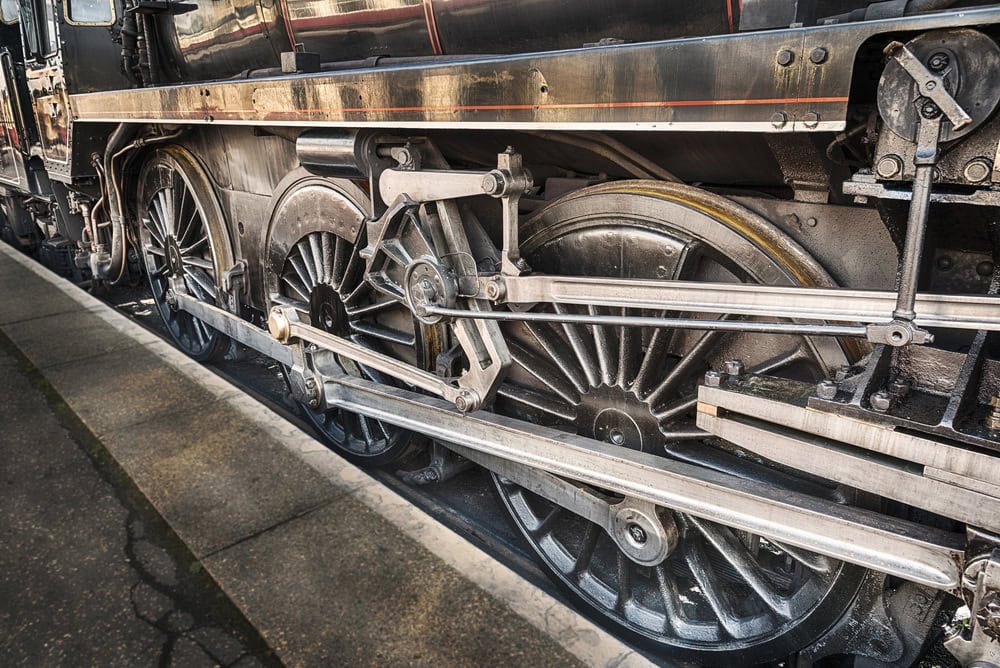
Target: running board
(908, 550)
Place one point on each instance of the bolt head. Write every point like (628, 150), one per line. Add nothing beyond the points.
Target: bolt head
(818, 55)
(938, 62)
(985, 268)
(977, 170)
(714, 378)
(734, 367)
(826, 389)
(811, 222)
(779, 119)
(929, 110)
(466, 401)
(785, 57)
(889, 166)
(637, 533)
(899, 387)
(944, 263)
(616, 437)
(881, 401)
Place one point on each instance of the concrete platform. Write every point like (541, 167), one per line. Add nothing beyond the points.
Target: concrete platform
(328, 565)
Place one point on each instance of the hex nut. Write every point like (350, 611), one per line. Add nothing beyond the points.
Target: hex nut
(779, 119)
(826, 389)
(889, 166)
(714, 378)
(734, 367)
(818, 55)
(881, 401)
(785, 57)
(977, 170)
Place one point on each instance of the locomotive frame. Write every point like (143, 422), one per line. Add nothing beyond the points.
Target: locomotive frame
(360, 222)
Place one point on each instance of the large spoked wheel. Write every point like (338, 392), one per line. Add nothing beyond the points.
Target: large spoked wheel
(322, 276)
(184, 240)
(721, 595)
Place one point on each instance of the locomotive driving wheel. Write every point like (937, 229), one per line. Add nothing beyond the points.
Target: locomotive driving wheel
(719, 595)
(183, 237)
(322, 276)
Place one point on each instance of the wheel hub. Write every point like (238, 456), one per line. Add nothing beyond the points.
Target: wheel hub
(646, 534)
(618, 417)
(175, 262)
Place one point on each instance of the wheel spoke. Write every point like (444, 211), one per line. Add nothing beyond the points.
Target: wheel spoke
(383, 333)
(300, 270)
(629, 353)
(200, 262)
(203, 281)
(155, 232)
(340, 257)
(653, 360)
(188, 250)
(675, 410)
(586, 553)
(306, 258)
(373, 308)
(697, 562)
(551, 376)
(328, 245)
(693, 362)
(180, 209)
(318, 262)
(549, 404)
(580, 347)
(735, 552)
(554, 348)
(606, 354)
(624, 582)
(297, 287)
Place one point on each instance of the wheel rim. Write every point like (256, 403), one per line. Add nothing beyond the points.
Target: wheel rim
(323, 278)
(178, 243)
(721, 590)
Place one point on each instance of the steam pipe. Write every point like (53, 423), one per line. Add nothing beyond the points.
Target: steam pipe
(122, 134)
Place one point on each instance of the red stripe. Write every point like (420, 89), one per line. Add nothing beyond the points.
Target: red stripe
(729, 13)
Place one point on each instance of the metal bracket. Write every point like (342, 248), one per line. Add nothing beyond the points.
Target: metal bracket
(508, 182)
(979, 645)
(902, 330)
(930, 85)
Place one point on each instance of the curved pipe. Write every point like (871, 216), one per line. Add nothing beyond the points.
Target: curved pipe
(121, 135)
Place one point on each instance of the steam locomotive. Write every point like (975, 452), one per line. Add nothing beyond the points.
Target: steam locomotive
(710, 288)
